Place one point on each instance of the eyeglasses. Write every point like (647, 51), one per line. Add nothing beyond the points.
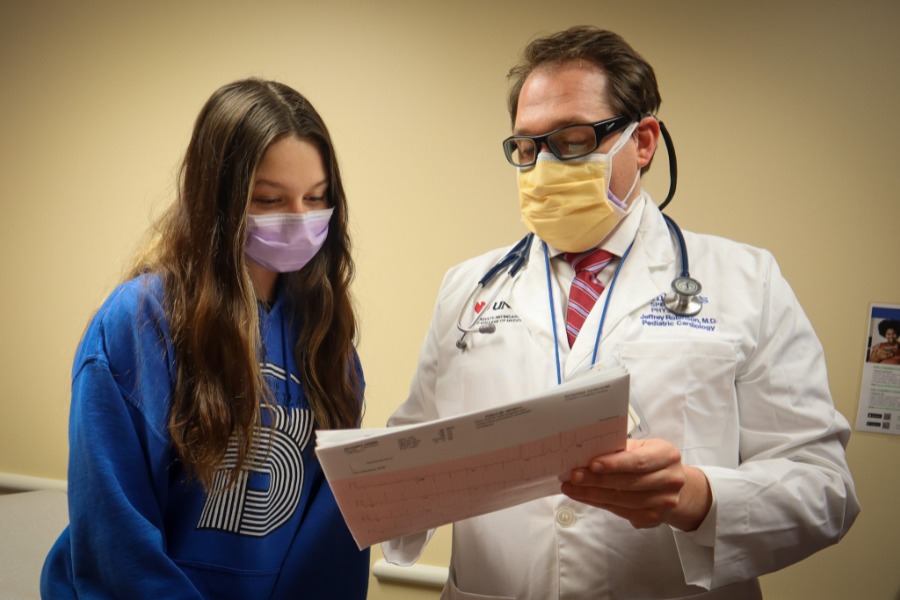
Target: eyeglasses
(566, 143)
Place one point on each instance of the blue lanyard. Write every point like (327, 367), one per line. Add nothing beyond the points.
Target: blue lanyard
(609, 293)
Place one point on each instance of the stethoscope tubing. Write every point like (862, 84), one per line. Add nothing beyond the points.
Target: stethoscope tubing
(517, 257)
(682, 247)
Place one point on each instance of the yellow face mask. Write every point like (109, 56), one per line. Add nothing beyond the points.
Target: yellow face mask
(568, 204)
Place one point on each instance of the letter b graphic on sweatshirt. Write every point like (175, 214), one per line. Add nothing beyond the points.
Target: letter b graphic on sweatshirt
(268, 488)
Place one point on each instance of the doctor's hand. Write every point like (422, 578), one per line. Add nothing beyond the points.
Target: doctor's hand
(646, 484)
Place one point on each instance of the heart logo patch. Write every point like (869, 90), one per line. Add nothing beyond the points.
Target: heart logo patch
(479, 306)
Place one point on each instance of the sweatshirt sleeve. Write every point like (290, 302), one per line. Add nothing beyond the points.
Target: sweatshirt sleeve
(120, 460)
(117, 541)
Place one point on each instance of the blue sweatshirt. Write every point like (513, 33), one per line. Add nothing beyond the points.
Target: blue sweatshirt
(139, 529)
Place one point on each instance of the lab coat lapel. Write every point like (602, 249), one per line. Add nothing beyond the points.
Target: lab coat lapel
(646, 273)
(531, 301)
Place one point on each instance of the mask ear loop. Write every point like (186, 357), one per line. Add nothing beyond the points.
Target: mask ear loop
(673, 164)
(623, 139)
(634, 184)
(620, 143)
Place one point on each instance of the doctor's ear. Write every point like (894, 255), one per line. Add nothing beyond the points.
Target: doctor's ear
(647, 137)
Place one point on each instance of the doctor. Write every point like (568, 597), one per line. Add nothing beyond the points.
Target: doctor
(743, 471)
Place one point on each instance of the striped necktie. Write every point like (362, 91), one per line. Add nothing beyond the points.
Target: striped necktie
(586, 288)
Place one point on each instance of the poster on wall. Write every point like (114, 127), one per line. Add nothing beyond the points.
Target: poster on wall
(879, 392)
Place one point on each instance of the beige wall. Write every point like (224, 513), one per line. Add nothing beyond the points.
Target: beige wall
(784, 116)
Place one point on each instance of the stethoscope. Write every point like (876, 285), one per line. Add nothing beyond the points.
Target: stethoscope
(683, 300)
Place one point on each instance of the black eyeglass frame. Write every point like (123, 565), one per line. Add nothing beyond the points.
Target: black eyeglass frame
(602, 129)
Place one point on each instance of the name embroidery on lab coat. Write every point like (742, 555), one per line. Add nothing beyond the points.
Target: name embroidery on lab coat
(500, 312)
(660, 316)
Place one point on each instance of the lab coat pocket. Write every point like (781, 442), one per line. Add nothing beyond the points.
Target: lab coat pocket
(451, 592)
(684, 387)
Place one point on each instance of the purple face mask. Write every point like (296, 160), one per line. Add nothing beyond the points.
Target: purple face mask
(286, 242)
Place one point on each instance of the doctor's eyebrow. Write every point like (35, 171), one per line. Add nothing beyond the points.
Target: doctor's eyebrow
(567, 122)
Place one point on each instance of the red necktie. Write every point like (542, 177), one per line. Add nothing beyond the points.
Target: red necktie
(586, 288)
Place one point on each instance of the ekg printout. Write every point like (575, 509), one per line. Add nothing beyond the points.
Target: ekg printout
(396, 481)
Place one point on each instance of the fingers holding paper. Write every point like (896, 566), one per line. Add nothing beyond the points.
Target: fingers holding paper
(647, 484)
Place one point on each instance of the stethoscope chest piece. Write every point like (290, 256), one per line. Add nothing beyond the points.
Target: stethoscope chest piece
(683, 300)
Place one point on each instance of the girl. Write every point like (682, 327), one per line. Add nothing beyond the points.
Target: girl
(199, 384)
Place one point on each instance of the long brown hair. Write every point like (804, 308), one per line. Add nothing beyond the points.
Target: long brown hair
(209, 299)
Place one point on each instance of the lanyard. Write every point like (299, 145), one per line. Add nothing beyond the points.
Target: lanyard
(609, 293)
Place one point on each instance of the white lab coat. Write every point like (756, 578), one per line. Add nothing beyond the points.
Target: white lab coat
(740, 389)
